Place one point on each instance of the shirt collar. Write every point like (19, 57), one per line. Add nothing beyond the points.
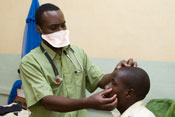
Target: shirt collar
(52, 53)
(132, 109)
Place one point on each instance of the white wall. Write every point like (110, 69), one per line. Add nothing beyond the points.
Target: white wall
(141, 29)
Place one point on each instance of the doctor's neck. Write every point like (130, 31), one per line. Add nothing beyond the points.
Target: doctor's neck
(57, 50)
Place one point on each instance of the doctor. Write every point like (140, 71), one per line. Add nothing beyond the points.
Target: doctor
(56, 74)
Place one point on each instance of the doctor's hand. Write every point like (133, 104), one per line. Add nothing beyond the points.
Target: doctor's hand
(98, 101)
(124, 63)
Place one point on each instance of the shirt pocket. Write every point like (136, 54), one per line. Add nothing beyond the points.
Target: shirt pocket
(79, 78)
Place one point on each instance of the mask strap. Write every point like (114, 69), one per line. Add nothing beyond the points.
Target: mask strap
(41, 30)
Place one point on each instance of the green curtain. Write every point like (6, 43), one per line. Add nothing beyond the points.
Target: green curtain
(162, 107)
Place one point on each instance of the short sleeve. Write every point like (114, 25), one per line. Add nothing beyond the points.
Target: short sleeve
(33, 82)
(93, 75)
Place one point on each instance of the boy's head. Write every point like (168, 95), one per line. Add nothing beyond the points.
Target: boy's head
(131, 84)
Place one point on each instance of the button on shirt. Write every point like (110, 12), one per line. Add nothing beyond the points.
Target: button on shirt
(38, 79)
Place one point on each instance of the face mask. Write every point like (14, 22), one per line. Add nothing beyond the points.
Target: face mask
(57, 39)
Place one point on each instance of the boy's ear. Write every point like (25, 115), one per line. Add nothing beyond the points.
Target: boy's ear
(130, 93)
(38, 30)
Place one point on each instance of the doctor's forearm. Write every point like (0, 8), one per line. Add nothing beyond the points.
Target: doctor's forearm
(62, 104)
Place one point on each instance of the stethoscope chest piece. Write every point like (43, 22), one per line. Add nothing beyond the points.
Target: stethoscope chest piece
(58, 79)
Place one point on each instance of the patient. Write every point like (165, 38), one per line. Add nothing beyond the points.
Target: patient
(131, 84)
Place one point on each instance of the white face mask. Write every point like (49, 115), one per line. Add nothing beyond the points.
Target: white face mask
(57, 39)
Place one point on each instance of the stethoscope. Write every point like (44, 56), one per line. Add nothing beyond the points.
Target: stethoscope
(78, 70)
(53, 65)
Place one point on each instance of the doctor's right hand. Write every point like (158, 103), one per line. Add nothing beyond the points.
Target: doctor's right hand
(98, 101)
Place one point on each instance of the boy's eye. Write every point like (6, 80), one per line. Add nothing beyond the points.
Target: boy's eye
(113, 81)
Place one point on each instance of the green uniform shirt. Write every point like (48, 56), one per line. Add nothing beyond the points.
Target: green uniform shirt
(38, 79)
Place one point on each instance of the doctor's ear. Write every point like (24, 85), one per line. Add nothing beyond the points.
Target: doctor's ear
(38, 29)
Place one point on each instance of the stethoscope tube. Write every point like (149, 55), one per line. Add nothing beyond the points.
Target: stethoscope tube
(77, 71)
(53, 65)
(50, 60)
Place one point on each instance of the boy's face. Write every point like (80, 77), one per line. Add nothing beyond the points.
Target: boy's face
(118, 88)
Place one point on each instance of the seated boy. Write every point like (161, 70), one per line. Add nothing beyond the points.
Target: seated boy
(131, 84)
